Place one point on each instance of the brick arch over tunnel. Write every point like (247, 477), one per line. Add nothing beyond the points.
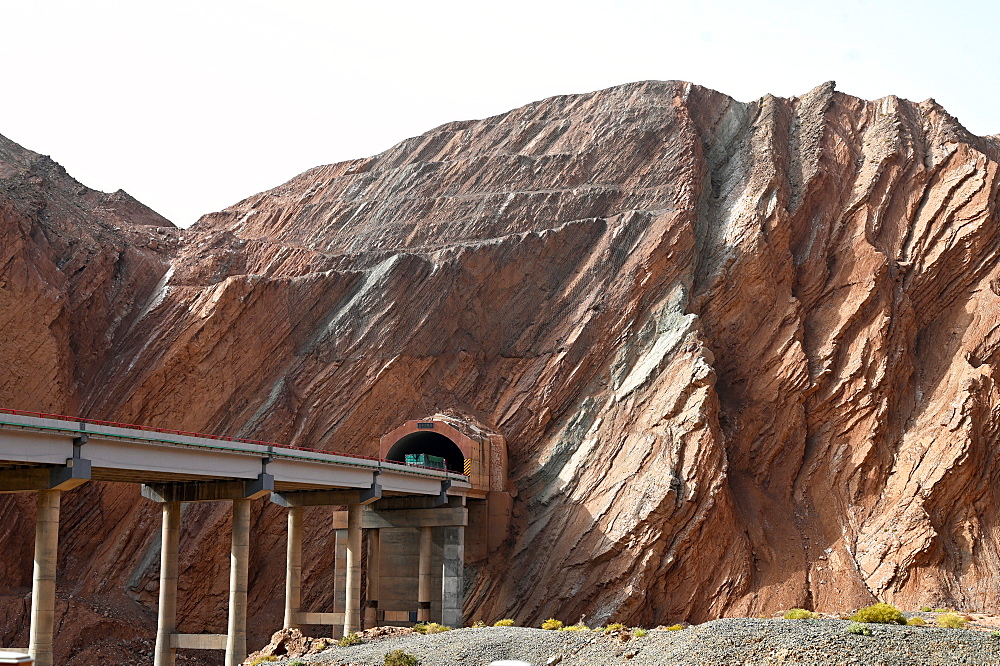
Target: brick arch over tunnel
(429, 442)
(482, 453)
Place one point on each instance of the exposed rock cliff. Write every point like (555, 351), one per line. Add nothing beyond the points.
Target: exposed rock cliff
(741, 352)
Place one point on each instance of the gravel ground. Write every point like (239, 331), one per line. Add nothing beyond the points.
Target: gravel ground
(728, 641)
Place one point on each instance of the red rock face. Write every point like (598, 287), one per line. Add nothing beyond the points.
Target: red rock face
(741, 353)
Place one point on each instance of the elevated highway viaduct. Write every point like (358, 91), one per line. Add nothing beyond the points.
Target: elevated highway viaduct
(422, 512)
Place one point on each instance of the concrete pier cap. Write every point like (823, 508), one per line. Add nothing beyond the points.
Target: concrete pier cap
(471, 447)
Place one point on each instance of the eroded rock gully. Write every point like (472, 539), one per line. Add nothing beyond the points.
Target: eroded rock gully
(742, 354)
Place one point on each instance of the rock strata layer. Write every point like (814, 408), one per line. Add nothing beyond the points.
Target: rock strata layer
(741, 354)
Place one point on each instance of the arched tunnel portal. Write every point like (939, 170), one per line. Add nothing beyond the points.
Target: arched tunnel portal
(431, 443)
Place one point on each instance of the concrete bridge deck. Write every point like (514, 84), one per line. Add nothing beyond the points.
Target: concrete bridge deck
(135, 454)
(50, 454)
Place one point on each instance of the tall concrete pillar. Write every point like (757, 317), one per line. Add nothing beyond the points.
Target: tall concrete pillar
(424, 575)
(352, 609)
(239, 569)
(374, 555)
(43, 582)
(453, 577)
(293, 567)
(339, 579)
(170, 529)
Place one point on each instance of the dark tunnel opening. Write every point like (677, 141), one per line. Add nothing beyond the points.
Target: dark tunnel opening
(431, 443)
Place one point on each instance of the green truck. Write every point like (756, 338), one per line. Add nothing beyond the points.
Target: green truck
(425, 460)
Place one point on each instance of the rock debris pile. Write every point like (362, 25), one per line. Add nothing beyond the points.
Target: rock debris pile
(747, 642)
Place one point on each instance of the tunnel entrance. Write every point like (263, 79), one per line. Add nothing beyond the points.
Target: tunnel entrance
(431, 443)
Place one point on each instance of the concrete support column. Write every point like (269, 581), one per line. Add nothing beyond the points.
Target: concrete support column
(352, 608)
(453, 577)
(424, 575)
(170, 528)
(293, 567)
(43, 582)
(239, 569)
(374, 554)
(339, 579)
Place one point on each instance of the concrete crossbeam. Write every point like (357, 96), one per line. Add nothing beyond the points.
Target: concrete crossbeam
(74, 473)
(376, 520)
(198, 641)
(319, 618)
(417, 502)
(209, 491)
(400, 616)
(328, 497)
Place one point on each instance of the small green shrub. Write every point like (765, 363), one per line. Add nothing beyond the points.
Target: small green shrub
(264, 658)
(925, 609)
(504, 623)
(675, 627)
(859, 628)
(400, 658)
(552, 624)
(995, 634)
(799, 614)
(951, 621)
(435, 628)
(639, 632)
(296, 662)
(349, 639)
(916, 622)
(321, 644)
(941, 610)
(880, 614)
(613, 627)
(479, 624)
(575, 627)
(430, 628)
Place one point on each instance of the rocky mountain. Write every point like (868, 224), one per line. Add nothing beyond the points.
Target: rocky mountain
(741, 354)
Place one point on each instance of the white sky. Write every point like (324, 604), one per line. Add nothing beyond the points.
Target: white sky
(191, 106)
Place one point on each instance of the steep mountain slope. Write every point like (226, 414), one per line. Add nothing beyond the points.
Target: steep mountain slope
(741, 352)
